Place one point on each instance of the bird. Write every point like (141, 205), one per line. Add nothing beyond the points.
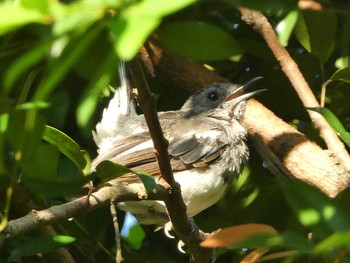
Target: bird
(207, 145)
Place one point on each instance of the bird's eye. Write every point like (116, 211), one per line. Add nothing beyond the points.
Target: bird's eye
(213, 96)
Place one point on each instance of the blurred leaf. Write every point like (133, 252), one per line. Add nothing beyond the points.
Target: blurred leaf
(285, 27)
(316, 32)
(135, 237)
(56, 185)
(131, 28)
(314, 210)
(69, 148)
(278, 255)
(39, 245)
(342, 74)
(334, 122)
(61, 65)
(15, 16)
(23, 63)
(184, 38)
(336, 240)
(232, 236)
(254, 256)
(32, 105)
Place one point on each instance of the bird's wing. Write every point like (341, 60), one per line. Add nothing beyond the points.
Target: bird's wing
(186, 150)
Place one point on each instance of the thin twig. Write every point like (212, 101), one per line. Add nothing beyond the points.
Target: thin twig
(260, 23)
(118, 256)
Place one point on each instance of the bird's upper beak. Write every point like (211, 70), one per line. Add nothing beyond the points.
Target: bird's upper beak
(238, 95)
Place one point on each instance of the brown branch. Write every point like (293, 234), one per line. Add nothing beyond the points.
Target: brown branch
(302, 159)
(290, 68)
(36, 219)
(118, 256)
(185, 228)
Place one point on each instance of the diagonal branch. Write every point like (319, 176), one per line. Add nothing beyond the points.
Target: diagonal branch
(260, 23)
(185, 228)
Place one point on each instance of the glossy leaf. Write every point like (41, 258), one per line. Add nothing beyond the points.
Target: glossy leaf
(334, 122)
(69, 148)
(183, 38)
(318, 42)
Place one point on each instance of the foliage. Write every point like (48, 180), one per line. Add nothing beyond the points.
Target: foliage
(58, 59)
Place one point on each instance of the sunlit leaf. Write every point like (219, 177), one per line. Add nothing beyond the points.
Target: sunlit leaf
(231, 236)
(254, 256)
(147, 180)
(335, 123)
(131, 28)
(285, 27)
(13, 17)
(336, 240)
(108, 170)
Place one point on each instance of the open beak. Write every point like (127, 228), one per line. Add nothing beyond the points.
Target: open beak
(238, 95)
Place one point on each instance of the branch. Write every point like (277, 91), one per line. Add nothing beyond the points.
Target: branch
(286, 150)
(185, 228)
(290, 68)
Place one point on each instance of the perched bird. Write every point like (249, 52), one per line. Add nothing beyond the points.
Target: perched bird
(207, 145)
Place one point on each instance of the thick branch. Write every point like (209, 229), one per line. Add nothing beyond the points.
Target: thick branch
(294, 160)
(186, 229)
(290, 68)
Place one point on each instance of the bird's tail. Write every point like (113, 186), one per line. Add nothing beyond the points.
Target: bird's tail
(119, 109)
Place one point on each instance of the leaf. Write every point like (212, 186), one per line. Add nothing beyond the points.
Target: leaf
(184, 38)
(334, 241)
(108, 170)
(61, 65)
(316, 32)
(133, 25)
(314, 209)
(147, 180)
(334, 122)
(254, 256)
(232, 236)
(15, 16)
(281, 254)
(69, 148)
(285, 27)
(39, 245)
(342, 74)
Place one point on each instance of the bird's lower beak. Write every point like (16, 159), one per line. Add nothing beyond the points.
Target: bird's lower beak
(238, 95)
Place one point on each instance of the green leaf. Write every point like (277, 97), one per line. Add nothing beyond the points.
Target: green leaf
(316, 32)
(69, 148)
(24, 62)
(108, 170)
(147, 180)
(61, 65)
(184, 38)
(39, 245)
(342, 74)
(314, 210)
(135, 236)
(131, 28)
(56, 185)
(336, 240)
(334, 122)
(15, 16)
(286, 26)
